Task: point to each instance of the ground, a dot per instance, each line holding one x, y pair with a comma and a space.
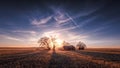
41, 58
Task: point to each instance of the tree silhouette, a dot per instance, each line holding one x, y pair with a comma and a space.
44, 42
80, 46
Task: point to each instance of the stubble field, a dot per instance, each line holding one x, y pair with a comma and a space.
41, 58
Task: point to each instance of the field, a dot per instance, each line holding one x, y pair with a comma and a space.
41, 58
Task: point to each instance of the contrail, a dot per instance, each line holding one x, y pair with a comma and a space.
72, 19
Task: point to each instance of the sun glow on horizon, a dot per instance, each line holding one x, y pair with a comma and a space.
59, 42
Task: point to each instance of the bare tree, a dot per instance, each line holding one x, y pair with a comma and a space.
44, 42
80, 46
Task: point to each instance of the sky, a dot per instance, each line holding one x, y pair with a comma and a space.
94, 22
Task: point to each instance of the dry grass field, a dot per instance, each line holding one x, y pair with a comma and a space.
41, 58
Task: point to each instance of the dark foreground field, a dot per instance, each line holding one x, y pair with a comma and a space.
40, 58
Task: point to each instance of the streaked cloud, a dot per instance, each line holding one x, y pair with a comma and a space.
10, 38
25, 31
66, 29
61, 18
41, 21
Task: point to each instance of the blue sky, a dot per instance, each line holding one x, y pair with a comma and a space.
96, 23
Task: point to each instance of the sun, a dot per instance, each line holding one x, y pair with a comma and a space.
51, 34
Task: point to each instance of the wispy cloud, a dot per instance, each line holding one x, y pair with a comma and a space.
66, 35
41, 21
61, 21
61, 17
9, 38
28, 36
25, 31
66, 29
